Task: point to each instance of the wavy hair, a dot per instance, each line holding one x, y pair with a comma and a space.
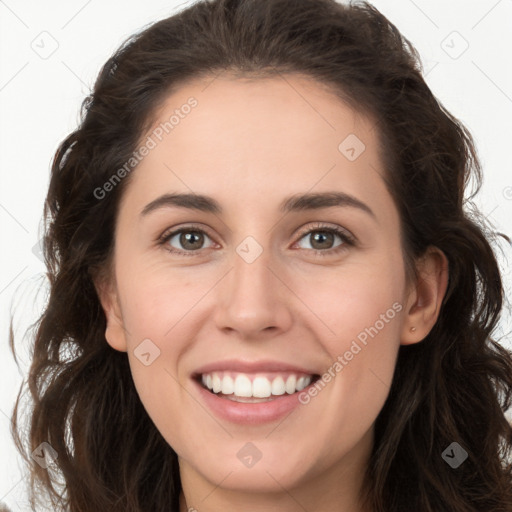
454, 386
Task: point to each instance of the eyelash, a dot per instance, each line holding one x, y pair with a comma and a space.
348, 240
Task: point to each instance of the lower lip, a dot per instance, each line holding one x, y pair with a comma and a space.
250, 413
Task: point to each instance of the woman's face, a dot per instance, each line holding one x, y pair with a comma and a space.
258, 294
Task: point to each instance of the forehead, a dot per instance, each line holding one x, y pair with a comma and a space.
293, 106
259, 137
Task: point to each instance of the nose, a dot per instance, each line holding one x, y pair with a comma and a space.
254, 299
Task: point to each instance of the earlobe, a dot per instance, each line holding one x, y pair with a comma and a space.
114, 332
425, 299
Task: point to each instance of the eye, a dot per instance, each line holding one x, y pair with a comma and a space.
322, 238
190, 238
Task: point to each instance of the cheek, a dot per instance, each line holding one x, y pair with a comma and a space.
154, 308
156, 299
360, 311
360, 302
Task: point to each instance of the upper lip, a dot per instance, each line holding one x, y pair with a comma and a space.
237, 365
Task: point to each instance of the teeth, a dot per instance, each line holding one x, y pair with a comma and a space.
243, 386
301, 384
278, 387
216, 383
290, 384
260, 387
228, 385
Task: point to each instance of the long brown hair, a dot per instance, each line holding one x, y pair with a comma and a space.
453, 387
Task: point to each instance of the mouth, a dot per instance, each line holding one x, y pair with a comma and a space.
254, 388
251, 393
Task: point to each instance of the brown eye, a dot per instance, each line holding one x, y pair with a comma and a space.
191, 240
322, 240
184, 241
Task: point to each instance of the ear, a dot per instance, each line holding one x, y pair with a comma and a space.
425, 296
115, 332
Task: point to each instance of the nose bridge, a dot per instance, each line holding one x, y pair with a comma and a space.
252, 297
252, 283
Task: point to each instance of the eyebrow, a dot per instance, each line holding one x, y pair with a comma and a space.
295, 203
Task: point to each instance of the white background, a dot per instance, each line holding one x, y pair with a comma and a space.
40, 100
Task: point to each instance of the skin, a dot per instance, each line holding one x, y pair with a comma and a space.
249, 145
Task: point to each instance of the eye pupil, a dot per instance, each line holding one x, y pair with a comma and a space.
321, 236
187, 239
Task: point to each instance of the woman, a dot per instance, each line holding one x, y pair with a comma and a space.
200, 349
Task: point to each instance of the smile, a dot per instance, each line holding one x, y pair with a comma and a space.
252, 392
236, 385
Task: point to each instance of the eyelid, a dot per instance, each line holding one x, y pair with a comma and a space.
335, 228
172, 232
187, 227
348, 240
